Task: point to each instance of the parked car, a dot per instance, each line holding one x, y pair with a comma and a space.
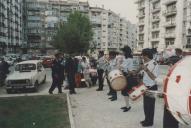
27, 75
47, 61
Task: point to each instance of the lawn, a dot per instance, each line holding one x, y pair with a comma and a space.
34, 112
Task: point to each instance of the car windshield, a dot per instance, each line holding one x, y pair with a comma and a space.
25, 67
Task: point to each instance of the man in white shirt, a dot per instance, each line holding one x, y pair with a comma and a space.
150, 71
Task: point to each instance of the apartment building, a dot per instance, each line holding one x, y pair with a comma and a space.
10, 26
111, 32
42, 18
164, 24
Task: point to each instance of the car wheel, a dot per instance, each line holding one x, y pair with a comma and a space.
9, 91
44, 80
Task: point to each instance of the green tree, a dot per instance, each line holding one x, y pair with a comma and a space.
75, 35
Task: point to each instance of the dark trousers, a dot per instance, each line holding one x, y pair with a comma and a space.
111, 90
149, 106
168, 120
100, 78
56, 83
71, 81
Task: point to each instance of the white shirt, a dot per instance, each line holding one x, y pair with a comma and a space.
154, 68
112, 65
127, 65
101, 63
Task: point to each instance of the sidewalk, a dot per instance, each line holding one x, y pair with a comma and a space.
92, 109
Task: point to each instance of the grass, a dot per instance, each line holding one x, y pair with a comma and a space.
34, 112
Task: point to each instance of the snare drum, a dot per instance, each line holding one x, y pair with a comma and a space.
137, 91
117, 79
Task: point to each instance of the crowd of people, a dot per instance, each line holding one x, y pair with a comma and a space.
81, 73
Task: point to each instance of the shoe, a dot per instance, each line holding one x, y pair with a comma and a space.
142, 122
146, 124
110, 98
123, 108
99, 89
50, 92
72, 92
127, 109
109, 93
113, 99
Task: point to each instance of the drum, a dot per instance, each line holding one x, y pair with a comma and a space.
177, 91
93, 72
117, 79
137, 91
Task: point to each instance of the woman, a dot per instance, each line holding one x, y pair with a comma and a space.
127, 68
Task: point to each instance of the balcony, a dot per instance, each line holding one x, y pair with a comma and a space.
170, 35
170, 12
141, 15
155, 39
155, 29
155, 19
138, 1
167, 2
141, 7
170, 24
154, 10
154, 1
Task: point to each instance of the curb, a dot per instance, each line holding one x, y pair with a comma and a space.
70, 112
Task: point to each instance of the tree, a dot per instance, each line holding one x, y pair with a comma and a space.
75, 35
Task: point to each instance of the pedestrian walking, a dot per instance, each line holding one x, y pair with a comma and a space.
57, 75
71, 69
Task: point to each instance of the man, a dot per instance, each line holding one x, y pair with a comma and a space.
150, 72
168, 120
4, 70
100, 69
112, 65
57, 74
71, 70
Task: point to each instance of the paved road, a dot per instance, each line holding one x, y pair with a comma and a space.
92, 109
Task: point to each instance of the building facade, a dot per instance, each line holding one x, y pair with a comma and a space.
164, 24
10, 26
111, 32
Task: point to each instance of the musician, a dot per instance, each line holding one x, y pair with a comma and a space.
150, 72
127, 68
168, 120
101, 66
112, 65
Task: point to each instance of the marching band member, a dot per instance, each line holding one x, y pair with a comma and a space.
150, 71
127, 68
101, 66
168, 120
112, 65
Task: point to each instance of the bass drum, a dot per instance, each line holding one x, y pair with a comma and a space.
117, 79
177, 91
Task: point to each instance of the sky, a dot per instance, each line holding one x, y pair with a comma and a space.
126, 8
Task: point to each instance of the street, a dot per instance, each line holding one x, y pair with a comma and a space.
43, 88
92, 109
